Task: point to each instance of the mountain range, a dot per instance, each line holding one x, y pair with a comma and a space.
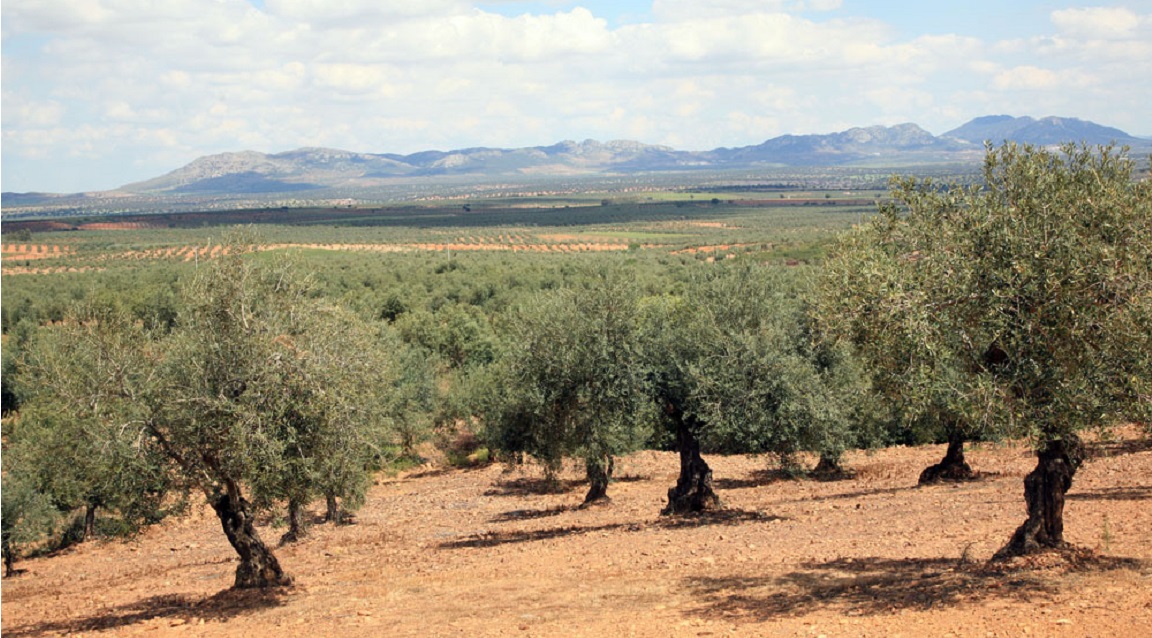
309, 169
314, 168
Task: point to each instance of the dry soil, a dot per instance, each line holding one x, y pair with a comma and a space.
491, 552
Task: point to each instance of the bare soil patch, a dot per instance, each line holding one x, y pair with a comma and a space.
490, 552
138, 225
26, 252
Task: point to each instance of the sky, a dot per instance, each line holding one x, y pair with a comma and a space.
101, 93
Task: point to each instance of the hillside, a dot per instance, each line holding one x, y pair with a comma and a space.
487, 552
314, 168
1045, 131
317, 168
325, 176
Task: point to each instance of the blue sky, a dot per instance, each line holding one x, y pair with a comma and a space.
100, 93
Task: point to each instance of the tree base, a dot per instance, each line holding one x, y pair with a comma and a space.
693, 502
297, 527
1044, 491
258, 567
957, 472
332, 513
693, 491
599, 472
952, 468
829, 469
601, 500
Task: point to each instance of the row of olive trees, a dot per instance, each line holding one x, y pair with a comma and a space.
258, 393
1022, 307
731, 365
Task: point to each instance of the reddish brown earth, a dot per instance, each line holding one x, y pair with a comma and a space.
485, 552
25, 252
118, 225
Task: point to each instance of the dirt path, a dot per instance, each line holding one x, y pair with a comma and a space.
486, 553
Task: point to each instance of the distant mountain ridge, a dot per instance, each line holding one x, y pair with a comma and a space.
315, 169
1045, 131
306, 168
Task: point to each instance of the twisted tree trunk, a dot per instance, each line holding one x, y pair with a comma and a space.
332, 509
952, 468
829, 467
1044, 490
693, 491
599, 472
89, 521
258, 566
9, 556
297, 527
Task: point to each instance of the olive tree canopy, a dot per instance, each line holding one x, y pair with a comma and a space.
1022, 306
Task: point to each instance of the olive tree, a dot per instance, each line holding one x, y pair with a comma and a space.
342, 387
770, 384
733, 365
872, 296
75, 440
1031, 294
28, 514
258, 393
677, 338
572, 379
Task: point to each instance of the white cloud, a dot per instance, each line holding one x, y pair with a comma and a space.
183, 78
1026, 77
690, 10
352, 78
355, 13
1099, 22
19, 113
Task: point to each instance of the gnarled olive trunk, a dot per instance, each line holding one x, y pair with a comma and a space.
258, 566
9, 556
331, 509
599, 472
297, 528
1044, 490
693, 491
89, 521
952, 468
829, 467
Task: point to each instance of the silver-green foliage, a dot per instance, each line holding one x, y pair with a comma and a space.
570, 375
764, 382
79, 436
1023, 305
28, 515
259, 392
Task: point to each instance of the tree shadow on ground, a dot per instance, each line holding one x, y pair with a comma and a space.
169, 609
1105, 449
1138, 493
856, 494
724, 516
873, 586
533, 486
757, 478
526, 486
831, 476
496, 538
525, 515
760, 478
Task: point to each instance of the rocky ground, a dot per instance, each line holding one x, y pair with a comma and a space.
489, 552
